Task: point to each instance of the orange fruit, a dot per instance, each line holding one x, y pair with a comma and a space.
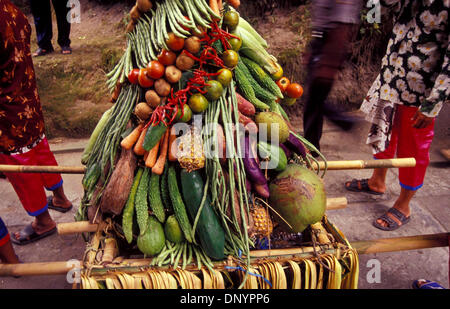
198, 103
215, 90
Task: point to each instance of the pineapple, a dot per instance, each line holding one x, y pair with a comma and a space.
190, 150
262, 223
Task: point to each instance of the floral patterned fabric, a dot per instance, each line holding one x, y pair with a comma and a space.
21, 120
415, 70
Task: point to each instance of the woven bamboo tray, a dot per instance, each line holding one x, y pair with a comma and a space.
325, 260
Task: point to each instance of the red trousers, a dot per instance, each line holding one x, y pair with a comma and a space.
407, 142
30, 186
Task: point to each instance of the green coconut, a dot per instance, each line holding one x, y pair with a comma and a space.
298, 195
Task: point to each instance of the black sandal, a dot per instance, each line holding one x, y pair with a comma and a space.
57, 208
392, 224
42, 52
360, 185
29, 235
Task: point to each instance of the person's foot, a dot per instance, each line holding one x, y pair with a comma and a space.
393, 219
66, 50
59, 204
43, 226
33, 232
42, 52
365, 185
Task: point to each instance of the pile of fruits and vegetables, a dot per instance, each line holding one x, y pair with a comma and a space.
178, 163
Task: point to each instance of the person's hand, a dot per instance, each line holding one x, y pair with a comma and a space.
421, 121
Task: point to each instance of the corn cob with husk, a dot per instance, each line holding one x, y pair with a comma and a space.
190, 150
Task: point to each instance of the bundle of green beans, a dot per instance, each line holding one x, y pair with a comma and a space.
182, 254
222, 194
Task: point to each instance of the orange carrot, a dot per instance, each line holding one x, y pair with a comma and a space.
152, 156
214, 6
129, 141
220, 5
234, 3
158, 168
172, 146
139, 147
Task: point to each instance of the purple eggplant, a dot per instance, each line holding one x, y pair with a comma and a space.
252, 169
248, 185
286, 150
296, 145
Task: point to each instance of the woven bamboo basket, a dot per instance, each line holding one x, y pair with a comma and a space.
324, 260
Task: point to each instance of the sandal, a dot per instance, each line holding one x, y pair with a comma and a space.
360, 185
427, 285
42, 52
66, 50
57, 208
29, 235
392, 224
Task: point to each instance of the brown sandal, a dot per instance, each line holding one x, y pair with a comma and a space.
360, 185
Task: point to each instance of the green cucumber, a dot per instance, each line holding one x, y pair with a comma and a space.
165, 197
141, 204
246, 89
273, 152
91, 177
262, 77
128, 211
154, 198
178, 205
209, 229
153, 240
173, 231
261, 93
98, 128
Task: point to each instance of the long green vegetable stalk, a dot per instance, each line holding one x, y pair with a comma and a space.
237, 240
107, 143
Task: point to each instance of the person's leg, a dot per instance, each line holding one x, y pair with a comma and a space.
377, 181
412, 143
42, 15
52, 182
61, 11
325, 63
7, 254
318, 91
29, 187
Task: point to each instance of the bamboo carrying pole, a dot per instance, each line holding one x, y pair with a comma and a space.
334, 203
331, 165
76, 227
401, 243
362, 247
42, 169
366, 164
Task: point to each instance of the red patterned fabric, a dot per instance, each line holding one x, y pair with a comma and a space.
21, 120
30, 186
